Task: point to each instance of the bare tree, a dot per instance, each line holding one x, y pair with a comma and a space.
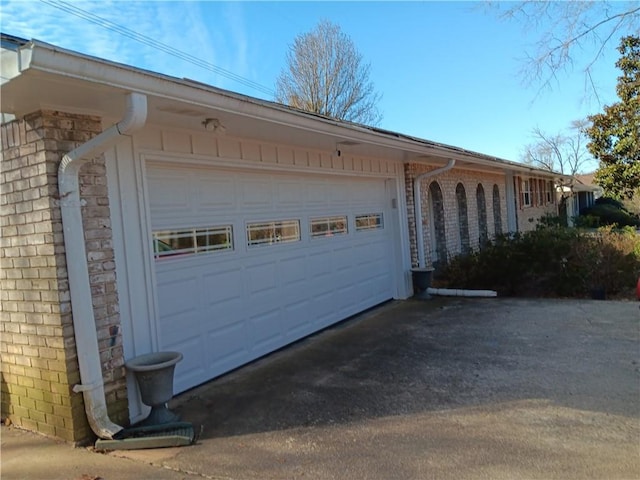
567, 26
563, 152
325, 74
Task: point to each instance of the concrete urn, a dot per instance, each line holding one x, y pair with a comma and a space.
154, 375
422, 280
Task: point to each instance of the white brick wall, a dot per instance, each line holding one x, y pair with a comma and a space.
448, 182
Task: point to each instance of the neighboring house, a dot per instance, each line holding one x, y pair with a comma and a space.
581, 194
142, 212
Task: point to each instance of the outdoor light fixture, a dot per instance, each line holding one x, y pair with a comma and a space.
214, 125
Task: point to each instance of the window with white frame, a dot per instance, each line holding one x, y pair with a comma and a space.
526, 192
369, 221
269, 233
327, 226
189, 241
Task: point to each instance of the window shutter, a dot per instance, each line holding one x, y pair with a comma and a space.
520, 193
534, 192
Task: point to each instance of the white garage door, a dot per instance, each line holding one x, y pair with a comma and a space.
246, 263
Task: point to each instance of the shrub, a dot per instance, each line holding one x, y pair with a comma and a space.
551, 261
586, 221
610, 211
610, 201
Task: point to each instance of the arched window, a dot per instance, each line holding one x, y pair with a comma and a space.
463, 220
436, 205
482, 215
497, 216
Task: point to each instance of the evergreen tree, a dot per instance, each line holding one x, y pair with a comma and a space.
615, 134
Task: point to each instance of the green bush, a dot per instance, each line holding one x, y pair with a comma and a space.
610, 201
550, 261
609, 211
586, 221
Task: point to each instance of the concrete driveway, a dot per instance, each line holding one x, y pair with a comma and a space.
446, 388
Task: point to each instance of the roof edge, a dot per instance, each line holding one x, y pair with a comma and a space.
52, 59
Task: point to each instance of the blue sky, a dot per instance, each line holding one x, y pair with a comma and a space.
448, 71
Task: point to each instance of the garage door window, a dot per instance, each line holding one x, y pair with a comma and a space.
369, 221
269, 233
327, 226
169, 243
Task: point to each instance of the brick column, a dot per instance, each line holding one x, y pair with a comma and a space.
409, 177
37, 349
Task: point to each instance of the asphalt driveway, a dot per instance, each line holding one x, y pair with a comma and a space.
446, 388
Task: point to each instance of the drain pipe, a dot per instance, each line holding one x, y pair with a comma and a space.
84, 325
459, 292
417, 205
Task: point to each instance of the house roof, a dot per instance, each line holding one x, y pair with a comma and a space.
585, 183
67, 80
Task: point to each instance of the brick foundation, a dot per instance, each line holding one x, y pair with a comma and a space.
38, 357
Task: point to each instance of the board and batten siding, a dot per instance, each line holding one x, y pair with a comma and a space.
266, 155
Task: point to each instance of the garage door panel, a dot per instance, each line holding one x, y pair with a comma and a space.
265, 329
316, 194
288, 194
344, 298
166, 195
222, 314
338, 195
293, 270
319, 265
225, 308
322, 307
222, 286
176, 296
297, 319
366, 194
192, 367
343, 258
256, 194
261, 278
215, 193
227, 343
177, 328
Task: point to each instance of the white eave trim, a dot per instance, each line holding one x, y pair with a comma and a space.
42, 57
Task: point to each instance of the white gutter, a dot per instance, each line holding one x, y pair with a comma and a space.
84, 325
417, 206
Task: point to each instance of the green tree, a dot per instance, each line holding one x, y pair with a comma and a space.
615, 134
326, 74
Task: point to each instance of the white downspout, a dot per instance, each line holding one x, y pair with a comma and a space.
84, 326
417, 205
460, 292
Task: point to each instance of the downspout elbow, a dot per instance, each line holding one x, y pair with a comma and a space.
84, 326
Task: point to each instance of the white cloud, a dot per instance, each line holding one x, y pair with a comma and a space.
211, 31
